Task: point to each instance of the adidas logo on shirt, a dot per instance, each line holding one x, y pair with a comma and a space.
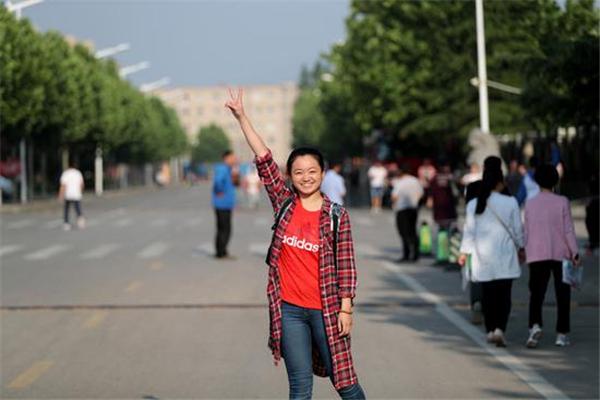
300, 244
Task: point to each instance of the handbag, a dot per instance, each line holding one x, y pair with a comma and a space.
520, 251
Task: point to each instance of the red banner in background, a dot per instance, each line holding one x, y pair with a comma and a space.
10, 168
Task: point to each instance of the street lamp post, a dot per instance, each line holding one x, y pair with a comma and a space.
484, 120
152, 86
131, 69
17, 8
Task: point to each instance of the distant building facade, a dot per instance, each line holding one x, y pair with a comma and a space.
270, 108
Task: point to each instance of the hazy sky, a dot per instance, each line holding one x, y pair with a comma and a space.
204, 42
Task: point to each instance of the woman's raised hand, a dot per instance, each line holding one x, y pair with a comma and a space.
235, 103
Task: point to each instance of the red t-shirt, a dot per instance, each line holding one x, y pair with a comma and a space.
299, 260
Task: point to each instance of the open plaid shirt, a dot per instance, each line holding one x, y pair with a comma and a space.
334, 283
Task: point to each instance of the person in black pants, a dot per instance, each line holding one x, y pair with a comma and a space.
406, 195
223, 198
496, 301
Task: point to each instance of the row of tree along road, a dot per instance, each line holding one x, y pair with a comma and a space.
57, 99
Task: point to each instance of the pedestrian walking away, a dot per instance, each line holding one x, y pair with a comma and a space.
492, 240
333, 183
223, 200
71, 192
377, 176
406, 195
312, 272
549, 239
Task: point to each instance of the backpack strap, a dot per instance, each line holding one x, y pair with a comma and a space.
335, 213
285, 205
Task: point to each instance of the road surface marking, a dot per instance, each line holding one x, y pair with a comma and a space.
31, 375
153, 250
156, 265
523, 371
159, 222
95, 320
11, 248
101, 251
54, 224
124, 222
205, 249
46, 252
259, 249
133, 286
20, 224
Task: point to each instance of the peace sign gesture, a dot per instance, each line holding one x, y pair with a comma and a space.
235, 103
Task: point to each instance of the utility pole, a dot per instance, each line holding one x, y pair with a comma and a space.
484, 119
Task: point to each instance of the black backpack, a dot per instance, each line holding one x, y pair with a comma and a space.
334, 213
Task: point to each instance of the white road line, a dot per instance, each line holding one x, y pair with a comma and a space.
46, 252
258, 248
204, 249
20, 224
523, 371
53, 224
153, 250
124, 222
101, 251
8, 249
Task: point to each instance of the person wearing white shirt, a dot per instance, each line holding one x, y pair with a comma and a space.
492, 237
406, 194
333, 184
377, 174
71, 191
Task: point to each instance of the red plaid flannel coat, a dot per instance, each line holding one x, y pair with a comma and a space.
334, 284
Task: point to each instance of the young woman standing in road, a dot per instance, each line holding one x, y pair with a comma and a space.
311, 284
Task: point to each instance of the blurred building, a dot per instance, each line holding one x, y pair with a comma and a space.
270, 108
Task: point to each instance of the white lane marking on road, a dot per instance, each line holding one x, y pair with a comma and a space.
20, 224
204, 249
124, 222
53, 224
260, 249
366, 221
523, 371
261, 221
8, 249
153, 250
159, 222
101, 251
46, 252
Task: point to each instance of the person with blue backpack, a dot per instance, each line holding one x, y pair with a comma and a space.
312, 271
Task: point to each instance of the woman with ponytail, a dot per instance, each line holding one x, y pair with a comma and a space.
492, 239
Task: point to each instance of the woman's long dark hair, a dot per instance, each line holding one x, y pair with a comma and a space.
492, 176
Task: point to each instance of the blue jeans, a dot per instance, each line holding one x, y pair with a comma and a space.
301, 327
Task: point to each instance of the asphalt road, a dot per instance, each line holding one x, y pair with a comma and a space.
134, 306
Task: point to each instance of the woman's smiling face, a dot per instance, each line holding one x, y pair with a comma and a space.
306, 175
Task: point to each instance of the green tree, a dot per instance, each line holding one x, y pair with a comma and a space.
210, 144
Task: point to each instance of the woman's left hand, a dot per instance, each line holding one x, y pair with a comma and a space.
344, 323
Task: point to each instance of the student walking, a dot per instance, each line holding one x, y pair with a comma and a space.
333, 183
71, 191
549, 239
492, 238
377, 174
312, 273
223, 200
406, 195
